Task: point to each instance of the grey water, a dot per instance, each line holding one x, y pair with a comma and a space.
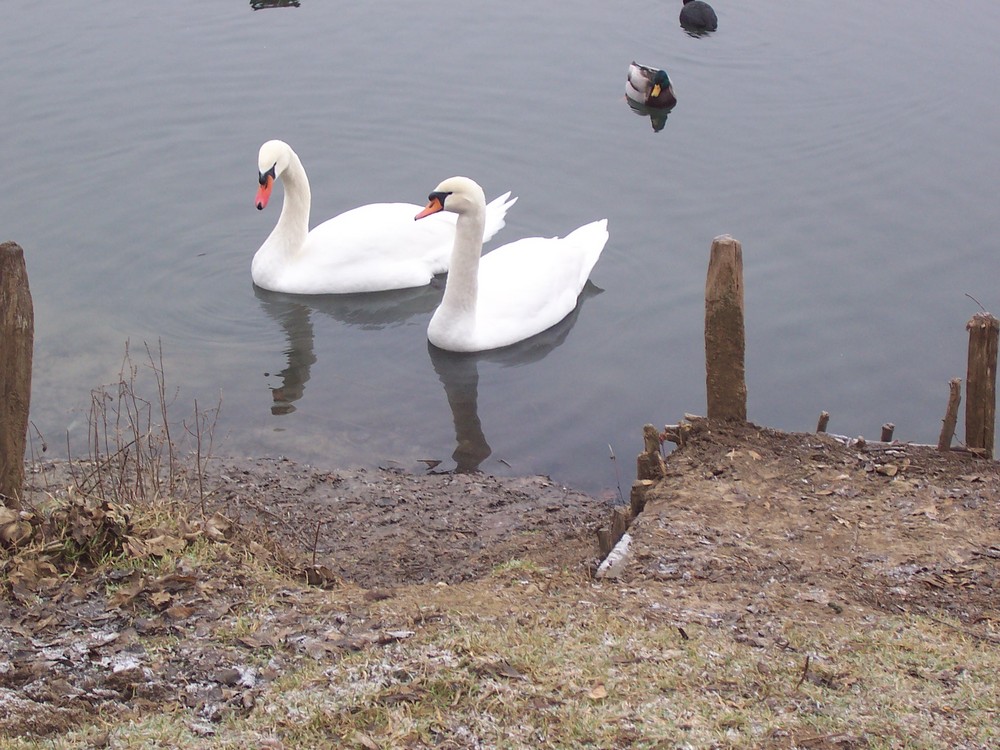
851, 147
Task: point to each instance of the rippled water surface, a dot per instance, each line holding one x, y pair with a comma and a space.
851, 147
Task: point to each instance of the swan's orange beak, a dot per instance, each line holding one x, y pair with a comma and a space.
432, 207
264, 192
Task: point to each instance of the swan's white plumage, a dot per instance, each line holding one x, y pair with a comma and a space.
517, 290
370, 248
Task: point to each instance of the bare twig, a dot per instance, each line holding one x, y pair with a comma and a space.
805, 671
976, 301
201, 481
618, 476
159, 374
966, 631
316, 542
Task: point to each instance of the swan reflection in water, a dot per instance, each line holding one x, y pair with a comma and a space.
459, 374
367, 311
657, 117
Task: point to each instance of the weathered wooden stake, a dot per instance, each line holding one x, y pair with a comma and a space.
981, 382
725, 337
950, 415
639, 495
824, 420
649, 464
677, 433
887, 430
17, 332
608, 537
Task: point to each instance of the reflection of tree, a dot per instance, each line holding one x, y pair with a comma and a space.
459, 374
261, 4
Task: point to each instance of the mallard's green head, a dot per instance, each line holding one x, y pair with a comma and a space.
660, 81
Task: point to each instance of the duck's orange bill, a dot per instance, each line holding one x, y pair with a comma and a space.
264, 192
433, 207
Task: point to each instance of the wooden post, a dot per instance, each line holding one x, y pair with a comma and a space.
17, 331
649, 464
887, 430
824, 420
950, 415
639, 495
677, 433
608, 537
981, 382
725, 338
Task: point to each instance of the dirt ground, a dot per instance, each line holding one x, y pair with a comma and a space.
383, 528
747, 525
824, 527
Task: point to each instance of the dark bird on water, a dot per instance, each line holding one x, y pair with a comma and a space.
698, 15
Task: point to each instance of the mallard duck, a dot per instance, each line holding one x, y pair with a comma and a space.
367, 249
697, 14
515, 291
649, 86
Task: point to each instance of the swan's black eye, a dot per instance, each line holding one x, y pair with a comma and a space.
268, 173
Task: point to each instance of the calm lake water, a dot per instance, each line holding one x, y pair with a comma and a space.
851, 147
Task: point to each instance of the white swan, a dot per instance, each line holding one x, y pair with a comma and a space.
515, 291
367, 249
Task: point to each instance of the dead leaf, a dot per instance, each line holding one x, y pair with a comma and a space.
322, 576
160, 599
179, 612
403, 694
163, 545
136, 548
348, 643
14, 533
499, 669
598, 692
174, 582
126, 594
217, 527
316, 649
391, 636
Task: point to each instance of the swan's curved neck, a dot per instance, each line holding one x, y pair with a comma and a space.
462, 287
293, 223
